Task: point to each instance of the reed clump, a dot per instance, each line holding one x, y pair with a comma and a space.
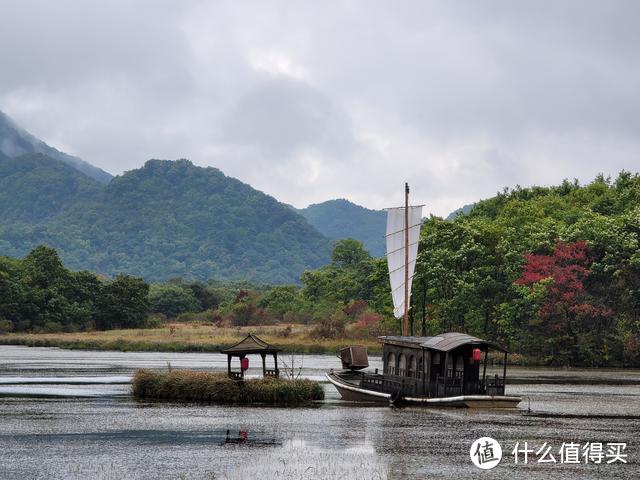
194, 386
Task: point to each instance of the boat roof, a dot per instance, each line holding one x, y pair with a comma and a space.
443, 342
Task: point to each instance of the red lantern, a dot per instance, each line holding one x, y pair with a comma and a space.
244, 363
476, 354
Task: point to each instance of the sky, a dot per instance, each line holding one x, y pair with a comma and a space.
309, 101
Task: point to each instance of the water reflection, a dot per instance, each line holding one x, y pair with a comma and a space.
253, 440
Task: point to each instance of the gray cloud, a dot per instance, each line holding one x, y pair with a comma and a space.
310, 101
283, 116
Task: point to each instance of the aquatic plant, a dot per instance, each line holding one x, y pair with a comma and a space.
194, 386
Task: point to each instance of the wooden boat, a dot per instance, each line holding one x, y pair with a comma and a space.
443, 370
439, 371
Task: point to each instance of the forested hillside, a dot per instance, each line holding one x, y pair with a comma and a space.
166, 219
553, 272
34, 188
341, 218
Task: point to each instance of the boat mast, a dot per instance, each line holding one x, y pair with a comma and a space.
405, 322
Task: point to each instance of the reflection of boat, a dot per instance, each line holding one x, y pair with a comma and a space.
441, 370
243, 438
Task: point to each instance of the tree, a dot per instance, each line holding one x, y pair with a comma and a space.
207, 297
282, 299
577, 324
43, 268
122, 303
172, 300
349, 253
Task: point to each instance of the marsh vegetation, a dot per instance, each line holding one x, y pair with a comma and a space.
197, 386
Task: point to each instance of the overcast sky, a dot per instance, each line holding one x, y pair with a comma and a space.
309, 101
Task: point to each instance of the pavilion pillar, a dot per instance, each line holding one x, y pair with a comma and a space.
275, 360
229, 365
504, 373
484, 370
264, 364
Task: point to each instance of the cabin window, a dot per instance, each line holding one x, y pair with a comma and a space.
391, 363
402, 365
420, 366
459, 367
436, 359
412, 366
449, 366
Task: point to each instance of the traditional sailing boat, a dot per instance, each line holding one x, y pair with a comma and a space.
443, 370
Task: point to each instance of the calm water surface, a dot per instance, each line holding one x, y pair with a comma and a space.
67, 414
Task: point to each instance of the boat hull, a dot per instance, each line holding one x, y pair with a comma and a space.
354, 393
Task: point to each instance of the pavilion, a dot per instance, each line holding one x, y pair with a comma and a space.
252, 345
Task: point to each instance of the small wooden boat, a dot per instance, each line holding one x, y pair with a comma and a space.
443, 370
439, 371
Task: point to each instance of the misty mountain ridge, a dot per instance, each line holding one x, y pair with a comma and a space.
341, 218
16, 141
166, 219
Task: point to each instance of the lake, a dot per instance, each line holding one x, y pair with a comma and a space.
67, 414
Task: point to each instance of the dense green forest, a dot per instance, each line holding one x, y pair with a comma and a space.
337, 219
39, 294
167, 219
552, 272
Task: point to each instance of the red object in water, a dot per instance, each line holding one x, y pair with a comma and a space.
244, 364
476, 354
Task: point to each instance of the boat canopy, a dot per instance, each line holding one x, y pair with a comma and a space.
444, 342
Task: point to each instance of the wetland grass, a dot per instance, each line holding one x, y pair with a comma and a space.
182, 337
195, 386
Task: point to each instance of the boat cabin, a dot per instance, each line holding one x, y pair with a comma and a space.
445, 365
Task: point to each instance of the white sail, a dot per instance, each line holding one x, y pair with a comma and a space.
395, 251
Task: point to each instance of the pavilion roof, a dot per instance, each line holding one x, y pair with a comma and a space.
251, 344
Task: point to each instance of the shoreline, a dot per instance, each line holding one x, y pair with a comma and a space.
198, 338
189, 338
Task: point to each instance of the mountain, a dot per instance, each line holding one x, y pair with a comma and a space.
167, 219
15, 141
341, 218
36, 187
465, 210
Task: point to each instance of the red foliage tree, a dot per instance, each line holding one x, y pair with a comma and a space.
355, 308
566, 301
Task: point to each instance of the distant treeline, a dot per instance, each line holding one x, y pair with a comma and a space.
553, 273
39, 294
